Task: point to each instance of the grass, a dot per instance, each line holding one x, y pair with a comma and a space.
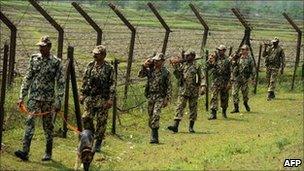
260, 139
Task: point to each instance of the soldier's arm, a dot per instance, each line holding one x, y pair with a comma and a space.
283, 60
266, 51
85, 81
177, 71
169, 89
143, 72
60, 81
27, 80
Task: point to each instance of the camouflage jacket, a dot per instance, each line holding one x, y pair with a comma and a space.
98, 82
275, 57
242, 69
220, 70
39, 81
189, 78
158, 83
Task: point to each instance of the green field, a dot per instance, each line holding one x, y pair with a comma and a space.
260, 139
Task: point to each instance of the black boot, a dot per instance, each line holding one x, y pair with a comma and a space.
174, 128
48, 151
269, 97
224, 112
247, 106
154, 136
236, 108
213, 114
273, 95
97, 146
22, 155
191, 130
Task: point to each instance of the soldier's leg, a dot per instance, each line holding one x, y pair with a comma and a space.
87, 118
213, 102
235, 96
193, 112
245, 92
273, 78
224, 101
155, 120
48, 128
101, 126
182, 102
33, 107
150, 111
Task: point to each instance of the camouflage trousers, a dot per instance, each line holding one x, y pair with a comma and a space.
38, 107
221, 91
155, 104
271, 75
182, 103
236, 86
101, 115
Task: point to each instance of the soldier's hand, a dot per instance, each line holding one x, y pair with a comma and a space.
147, 63
20, 102
202, 90
228, 86
282, 71
108, 104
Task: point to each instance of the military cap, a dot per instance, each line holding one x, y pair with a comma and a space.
245, 47
44, 40
275, 40
190, 52
221, 47
99, 49
159, 56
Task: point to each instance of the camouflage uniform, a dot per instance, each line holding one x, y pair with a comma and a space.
158, 89
220, 76
275, 59
39, 82
189, 77
97, 89
242, 70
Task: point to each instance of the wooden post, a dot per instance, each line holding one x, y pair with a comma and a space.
74, 88
53, 23
12, 50
131, 47
257, 70
163, 23
66, 94
299, 41
115, 63
90, 21
3, 91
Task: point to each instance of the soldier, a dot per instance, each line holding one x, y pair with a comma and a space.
44, 72
220, 69
158, 90
189, 79
242, 69
275, 60
97, 94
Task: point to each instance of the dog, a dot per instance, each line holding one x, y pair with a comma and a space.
85, 152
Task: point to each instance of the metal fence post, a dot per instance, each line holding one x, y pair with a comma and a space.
90, 21
3, 91
115, 63
299, 41
53, 23
163, 23
131, 47
12, 50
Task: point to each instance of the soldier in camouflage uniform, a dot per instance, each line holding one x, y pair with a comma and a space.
219, 64
44, 72
158, 90
189, 78
97, 94
275, 60
242, 69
